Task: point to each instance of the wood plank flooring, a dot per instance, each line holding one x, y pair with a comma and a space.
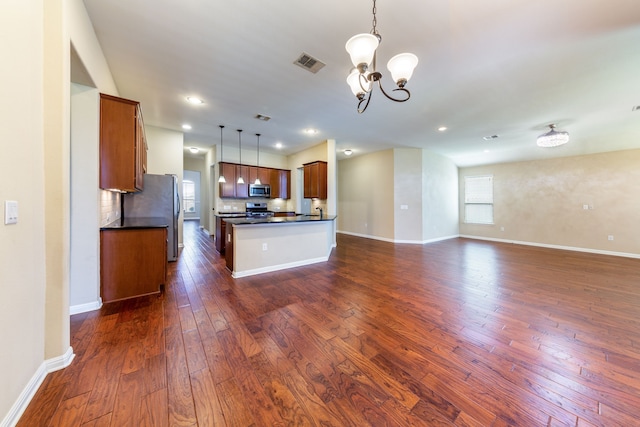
459, 332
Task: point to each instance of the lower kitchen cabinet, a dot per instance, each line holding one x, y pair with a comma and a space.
133, 262
220, 235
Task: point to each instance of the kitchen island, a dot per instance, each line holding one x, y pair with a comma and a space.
261, 245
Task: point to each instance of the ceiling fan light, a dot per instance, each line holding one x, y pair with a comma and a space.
552, 138
401, 67
361, 49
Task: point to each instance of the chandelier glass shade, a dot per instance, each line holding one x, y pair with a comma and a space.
553, 138
221, 179
362, 51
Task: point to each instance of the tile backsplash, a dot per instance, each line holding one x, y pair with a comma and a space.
109, 207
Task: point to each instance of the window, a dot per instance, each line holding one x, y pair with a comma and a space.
478, 199
189, 196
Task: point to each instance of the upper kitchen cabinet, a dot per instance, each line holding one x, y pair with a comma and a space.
123, 147
280, 184
228, 188
315, 180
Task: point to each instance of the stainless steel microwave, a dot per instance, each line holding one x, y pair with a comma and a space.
259, 190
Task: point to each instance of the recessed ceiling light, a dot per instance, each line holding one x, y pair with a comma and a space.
311, 131
487, 151
348, 152
186, 126
279, 145
442, 128
490, 137
194, 150
195, 101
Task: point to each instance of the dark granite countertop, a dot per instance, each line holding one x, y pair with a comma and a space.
280, 219
149, 222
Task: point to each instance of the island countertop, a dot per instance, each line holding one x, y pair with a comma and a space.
280, 219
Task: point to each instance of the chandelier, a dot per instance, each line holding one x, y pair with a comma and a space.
552, 138
362, 50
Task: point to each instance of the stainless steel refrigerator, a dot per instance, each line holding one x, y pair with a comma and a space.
159, 198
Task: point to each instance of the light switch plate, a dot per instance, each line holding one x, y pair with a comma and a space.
10, 212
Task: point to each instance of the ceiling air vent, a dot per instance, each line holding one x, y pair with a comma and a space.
263, 117
309, 63
490, 137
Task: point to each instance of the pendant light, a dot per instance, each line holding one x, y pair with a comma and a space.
240, 179
221, 179
257, 181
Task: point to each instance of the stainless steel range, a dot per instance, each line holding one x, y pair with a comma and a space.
257, 210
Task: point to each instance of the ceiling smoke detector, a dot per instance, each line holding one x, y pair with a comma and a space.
309, 63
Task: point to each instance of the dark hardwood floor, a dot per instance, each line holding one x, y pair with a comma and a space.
459, 332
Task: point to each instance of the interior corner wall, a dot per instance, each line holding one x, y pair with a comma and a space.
406, 202
365, 195
165, 156
440, 217
543, 202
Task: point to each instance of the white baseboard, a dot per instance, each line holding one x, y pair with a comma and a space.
384, 239
49, 365
565, 248
271, 268
83, 308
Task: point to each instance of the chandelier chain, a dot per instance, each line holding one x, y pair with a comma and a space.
374, 22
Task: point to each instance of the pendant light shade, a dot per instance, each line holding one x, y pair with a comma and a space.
240, 179
257, 181
221, 179
401, 67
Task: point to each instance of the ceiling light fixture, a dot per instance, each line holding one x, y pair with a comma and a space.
194, 150
240, 179
311, 131
552, 138
348, 152
221, 179
279, 145
257, 181
362, 50
186, 126
195, 101
442, 128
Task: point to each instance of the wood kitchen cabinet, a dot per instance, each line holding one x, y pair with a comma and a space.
133, 262
315, 180
123, 146
220, 235
278, 179
280, 184
227, 189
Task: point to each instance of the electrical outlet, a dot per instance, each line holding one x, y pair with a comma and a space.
585, 207
610, 237
264, 246
404, 207
501, 228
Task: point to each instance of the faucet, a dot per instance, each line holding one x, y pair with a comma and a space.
319, 209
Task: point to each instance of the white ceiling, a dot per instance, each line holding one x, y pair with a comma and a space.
491, 67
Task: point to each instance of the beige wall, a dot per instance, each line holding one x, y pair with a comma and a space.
22, 253
165, 156
541, 202
439, 197
406, 202
366, 194
198, 164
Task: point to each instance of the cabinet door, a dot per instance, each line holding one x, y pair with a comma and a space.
227, 190
274, 181
242, 190
285, 184
315, 180
265, 175
141, 150
120, 150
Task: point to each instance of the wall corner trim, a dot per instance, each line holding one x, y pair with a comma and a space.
49, 365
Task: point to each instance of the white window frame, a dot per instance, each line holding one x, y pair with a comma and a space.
188, 196
478, 199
